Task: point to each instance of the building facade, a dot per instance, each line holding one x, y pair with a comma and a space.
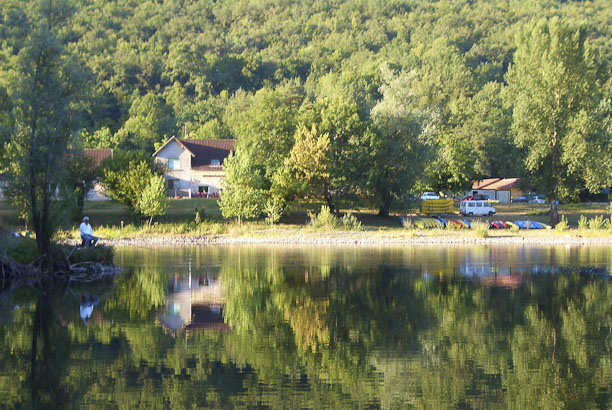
194, 167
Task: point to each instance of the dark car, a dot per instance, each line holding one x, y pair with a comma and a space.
520, 199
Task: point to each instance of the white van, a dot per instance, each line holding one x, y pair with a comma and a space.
474, 207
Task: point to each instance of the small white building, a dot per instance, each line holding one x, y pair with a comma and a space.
194, 167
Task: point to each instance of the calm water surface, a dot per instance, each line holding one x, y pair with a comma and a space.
314, 327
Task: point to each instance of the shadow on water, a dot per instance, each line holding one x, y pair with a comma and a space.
254, 328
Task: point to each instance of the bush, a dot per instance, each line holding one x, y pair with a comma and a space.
325, 219
407, 223
274, 209
583, 222
199, 216
597, 223
350, 221
481, 229
562, 225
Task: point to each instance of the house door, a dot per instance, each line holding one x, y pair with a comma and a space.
203, 191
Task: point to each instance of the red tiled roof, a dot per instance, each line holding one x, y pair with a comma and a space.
505, 183
484, 183
204, 151
97, 155
496, 183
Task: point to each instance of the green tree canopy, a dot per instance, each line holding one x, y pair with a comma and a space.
555, 90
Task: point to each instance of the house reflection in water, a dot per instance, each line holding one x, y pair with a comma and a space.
194, 302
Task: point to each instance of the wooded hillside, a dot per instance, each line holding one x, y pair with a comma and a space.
429, 77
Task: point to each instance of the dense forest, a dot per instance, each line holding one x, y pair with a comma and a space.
367, 99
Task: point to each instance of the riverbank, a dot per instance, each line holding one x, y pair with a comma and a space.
265, 237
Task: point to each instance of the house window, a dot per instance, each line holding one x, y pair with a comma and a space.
215, 161
173, 184
173, 163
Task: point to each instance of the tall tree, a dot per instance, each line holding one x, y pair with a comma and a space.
45, 83
337, 120
243, 196
399, 149
555, 89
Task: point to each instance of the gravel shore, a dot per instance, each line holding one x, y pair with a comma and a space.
353, 238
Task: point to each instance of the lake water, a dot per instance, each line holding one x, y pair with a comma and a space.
476, 327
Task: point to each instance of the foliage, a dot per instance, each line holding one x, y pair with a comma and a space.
598, 222
349, 221
563, 225
324, 219
411, 94
481, 229
583, 222
46, 85
126, 176
400, 147
242, 198
154, 199
309, 163
274, 209
554, 88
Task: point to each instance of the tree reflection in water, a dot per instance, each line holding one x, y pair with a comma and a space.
312, 332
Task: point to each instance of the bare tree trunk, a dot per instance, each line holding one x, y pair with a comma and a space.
385, 206
554, 213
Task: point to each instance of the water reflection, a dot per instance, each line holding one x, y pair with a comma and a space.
248, 327
194, 303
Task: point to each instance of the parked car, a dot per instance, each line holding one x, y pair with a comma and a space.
476, 208
519, 199
429, 196
538, 199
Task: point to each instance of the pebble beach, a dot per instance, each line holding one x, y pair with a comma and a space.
355, 238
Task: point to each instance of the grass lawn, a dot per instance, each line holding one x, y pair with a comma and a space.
111, 220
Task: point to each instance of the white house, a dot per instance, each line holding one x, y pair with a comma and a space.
194, 167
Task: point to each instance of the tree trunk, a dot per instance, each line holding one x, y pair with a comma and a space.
385, 206
554, 213
330, 202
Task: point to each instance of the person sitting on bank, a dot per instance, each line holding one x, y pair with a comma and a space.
87, 234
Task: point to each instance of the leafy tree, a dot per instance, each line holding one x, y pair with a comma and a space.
80, 178
555, 89
46, 84
309, 164
243, 196
126, 176
150, 121
399, 150
154, 199
339, 120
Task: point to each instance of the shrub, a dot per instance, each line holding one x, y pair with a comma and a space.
597, 223
199, 215
325, 219
562, 225
583, 222
481, 229
407, 223
274, 209
350, 221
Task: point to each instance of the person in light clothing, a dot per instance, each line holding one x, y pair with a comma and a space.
87, 234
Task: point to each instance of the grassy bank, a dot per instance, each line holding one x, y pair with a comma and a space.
112, 221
